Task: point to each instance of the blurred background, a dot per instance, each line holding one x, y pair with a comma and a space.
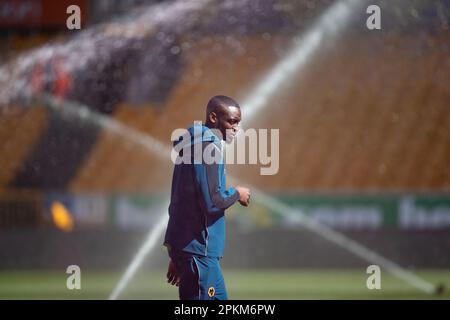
364, 117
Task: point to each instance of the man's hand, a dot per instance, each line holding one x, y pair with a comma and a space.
244, 195
173, 277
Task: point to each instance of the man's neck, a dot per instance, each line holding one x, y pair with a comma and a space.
210, 125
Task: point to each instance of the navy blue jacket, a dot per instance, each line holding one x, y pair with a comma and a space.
199, 198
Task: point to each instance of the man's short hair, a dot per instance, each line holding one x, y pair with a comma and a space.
217, 102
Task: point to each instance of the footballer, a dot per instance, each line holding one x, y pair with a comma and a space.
195, 235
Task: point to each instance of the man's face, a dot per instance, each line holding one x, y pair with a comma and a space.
228, 122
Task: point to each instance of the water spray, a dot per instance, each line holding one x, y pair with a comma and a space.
328, 25
149, 243
155, 147
345, 242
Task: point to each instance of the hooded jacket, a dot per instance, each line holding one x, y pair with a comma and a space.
199, 196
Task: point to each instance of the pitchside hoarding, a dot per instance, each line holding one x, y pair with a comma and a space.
348, 212
370, 211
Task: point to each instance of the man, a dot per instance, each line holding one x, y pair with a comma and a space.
195, 235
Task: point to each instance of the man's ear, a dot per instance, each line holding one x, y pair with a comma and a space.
213, 117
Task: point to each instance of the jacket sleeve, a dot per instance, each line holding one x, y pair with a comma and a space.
221, 199
216, 197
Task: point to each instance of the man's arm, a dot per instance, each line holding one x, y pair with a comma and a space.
217, 198
221, 199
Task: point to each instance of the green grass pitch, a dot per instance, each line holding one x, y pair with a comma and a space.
248, 284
